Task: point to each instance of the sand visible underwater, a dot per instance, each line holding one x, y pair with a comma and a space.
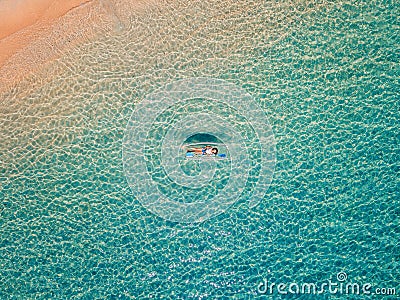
324, 74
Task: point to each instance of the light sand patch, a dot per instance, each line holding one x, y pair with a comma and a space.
37, 14
60, 26
40, 31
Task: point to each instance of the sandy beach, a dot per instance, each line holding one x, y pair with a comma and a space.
35, 33
33, 16
27, 33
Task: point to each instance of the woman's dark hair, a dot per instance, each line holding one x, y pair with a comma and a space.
214, 150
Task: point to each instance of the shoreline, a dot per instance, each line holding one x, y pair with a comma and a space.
61, 26
25, 20
56, 27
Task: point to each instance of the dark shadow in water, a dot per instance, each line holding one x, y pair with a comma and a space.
202, 138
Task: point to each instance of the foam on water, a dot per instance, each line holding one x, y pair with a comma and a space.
324, 74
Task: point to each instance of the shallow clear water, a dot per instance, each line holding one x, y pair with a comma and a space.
325, 75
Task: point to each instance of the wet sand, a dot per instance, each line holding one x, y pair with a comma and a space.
34, 32
31, 17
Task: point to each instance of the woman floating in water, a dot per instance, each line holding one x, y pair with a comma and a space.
207, 150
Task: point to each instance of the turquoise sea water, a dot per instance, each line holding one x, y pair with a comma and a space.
326, 75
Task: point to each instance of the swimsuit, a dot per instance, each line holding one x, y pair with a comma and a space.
207, 151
